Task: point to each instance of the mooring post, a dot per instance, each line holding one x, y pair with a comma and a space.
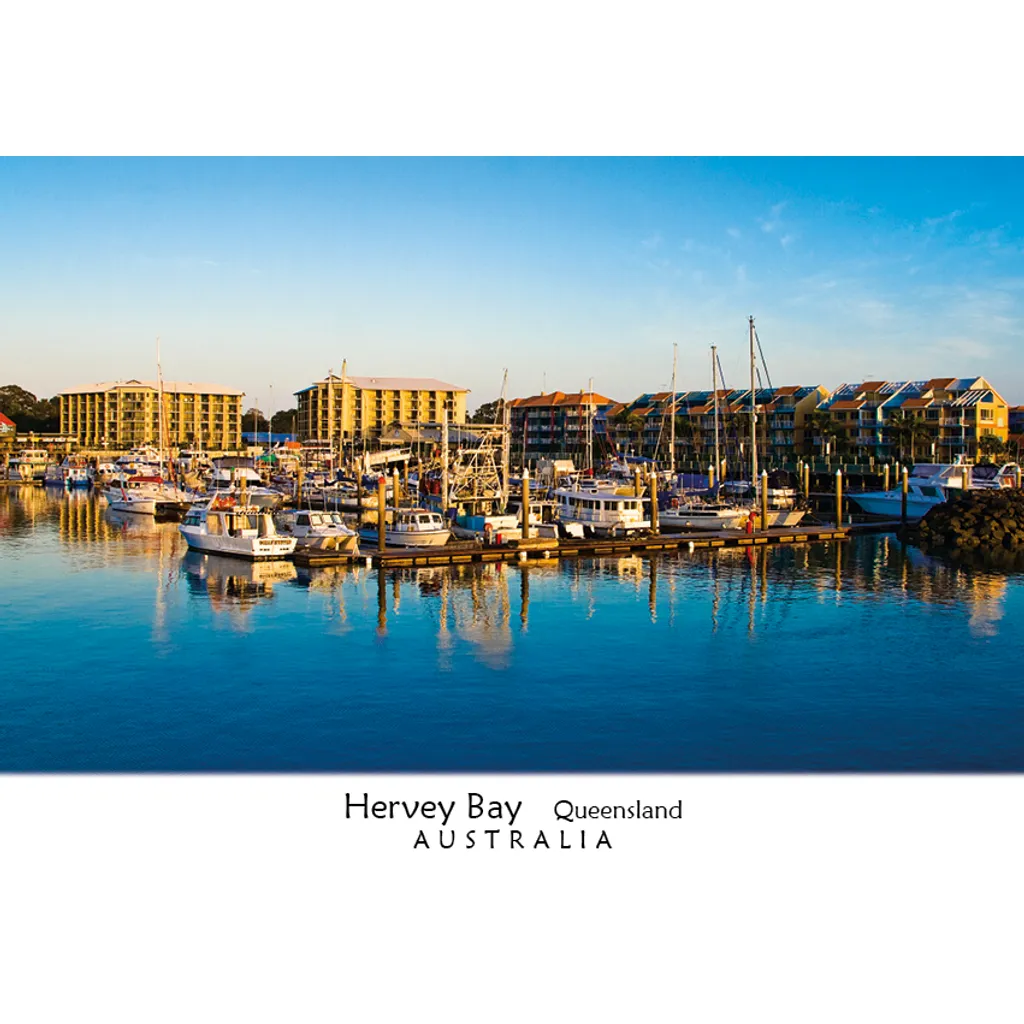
885, 477
903, 497
839, 497
965, 478
637, 486
764, 499
1016, 477
396, 489
711, 477
526, 504
654, 502
807, 480
299, 473
382, 509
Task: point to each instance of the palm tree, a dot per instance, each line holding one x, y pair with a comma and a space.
823, 426
908, 431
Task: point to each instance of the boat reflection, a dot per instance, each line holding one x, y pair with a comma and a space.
233, 586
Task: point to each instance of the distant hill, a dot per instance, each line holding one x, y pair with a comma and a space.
28, 412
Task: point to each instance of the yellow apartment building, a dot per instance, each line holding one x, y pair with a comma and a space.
350, 408
123, 414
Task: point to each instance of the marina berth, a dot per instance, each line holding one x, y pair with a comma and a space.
223, 527
28, 465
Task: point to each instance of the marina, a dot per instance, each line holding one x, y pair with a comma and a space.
746, 654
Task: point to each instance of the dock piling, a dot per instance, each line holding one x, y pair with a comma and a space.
654, 502
764, 499
526, 505
903, 497
382, 510
839, 497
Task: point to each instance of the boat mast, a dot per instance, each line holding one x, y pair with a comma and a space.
506, 439
590, 428
753, 412
714, 385
672, 414
160, 410
444, 462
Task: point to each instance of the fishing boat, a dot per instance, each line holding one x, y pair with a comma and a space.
223, 527
592, 512
28, 465
410, 528
319, 531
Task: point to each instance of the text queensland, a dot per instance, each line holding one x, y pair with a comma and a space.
567, 810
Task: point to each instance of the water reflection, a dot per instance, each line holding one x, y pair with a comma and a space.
753, 588
233, 586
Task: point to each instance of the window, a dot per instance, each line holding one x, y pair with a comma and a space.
986, 415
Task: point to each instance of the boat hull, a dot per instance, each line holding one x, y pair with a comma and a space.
254, 549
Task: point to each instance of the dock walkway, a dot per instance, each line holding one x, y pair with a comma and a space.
457, 553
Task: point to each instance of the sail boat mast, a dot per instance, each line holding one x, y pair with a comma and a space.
753, 411
672, 414
590, 427
714, 386
160, 410
506, 440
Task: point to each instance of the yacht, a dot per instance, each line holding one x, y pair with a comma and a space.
929, 485
599, 513
320, 531
145, 495
411, 528
221, 527
488, 527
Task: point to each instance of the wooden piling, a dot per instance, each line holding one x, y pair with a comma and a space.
654, 502
764, 499
1017, 477
807, 480
839, 497
903, 497
885, 477
711, 476
965, 477
382, 510
526, 504
395, 488
638, 488
299, 475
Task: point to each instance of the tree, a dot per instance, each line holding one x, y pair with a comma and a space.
284, 421
991, 446
821, 428
253, 421
489, 412
909, 432
28, 412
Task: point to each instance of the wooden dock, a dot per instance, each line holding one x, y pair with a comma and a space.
457, 553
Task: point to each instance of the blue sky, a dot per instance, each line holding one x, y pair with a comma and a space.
268, 272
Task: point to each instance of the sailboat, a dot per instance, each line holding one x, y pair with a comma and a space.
706, 515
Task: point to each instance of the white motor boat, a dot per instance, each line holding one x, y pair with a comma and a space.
697, 515
145, 495
222, 527
410, 528
929, 485
599, 513
319, 531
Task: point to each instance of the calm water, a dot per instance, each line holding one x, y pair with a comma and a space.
123, 652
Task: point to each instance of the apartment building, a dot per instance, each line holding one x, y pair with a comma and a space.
346, 408
123, 414
936, 419
557, 424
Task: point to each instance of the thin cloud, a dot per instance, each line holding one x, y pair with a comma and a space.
774, 219
733, 232
787, 240
652, 241
930, 223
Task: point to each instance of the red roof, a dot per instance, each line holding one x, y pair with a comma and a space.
939, 382
5, 421
916, 403
847, 404
872, 385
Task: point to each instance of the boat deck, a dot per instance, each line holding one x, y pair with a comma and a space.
458, 552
